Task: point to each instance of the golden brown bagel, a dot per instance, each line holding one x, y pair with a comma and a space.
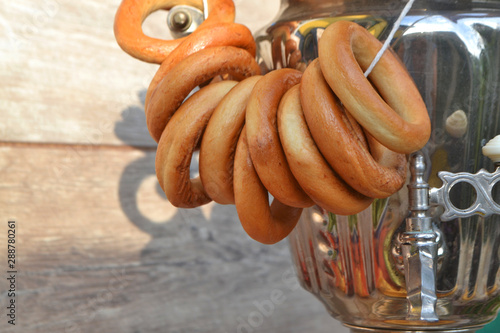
190, 73
265, 224
132, 13
397, 117
179, 141
263, 140
343, 146
219, 142
223, 34
308, 165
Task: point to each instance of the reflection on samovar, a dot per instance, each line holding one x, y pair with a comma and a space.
428, 257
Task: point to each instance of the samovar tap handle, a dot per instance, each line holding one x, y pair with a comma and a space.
482, 182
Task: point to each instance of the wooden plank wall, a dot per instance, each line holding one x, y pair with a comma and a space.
98, 247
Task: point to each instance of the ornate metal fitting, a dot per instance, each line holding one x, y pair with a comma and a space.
183, 20
483, 182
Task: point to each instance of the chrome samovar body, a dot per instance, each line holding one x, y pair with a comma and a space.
368, 269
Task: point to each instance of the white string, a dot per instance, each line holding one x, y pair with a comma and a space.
205, 9
395, 28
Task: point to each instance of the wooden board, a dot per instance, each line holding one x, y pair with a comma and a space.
65, 79
100, 250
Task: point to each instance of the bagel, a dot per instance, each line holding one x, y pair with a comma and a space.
132, 13
179, 141
397, 117
343, 145
223, 34
219, 142
321, 183
265, 224
190, 73
263, 140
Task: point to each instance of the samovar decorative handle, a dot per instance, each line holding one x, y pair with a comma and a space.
419, 246
483, 183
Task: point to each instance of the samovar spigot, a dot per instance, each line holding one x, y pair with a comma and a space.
420, 243
419, 248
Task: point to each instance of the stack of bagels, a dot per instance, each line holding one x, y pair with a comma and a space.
327, 136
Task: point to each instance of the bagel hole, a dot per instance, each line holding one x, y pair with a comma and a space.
152, 202
155, 25
462, 195
195, 160
495, 192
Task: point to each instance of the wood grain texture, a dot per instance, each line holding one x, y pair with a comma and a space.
101, 250
65, 79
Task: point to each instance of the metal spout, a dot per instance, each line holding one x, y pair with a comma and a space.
420, 248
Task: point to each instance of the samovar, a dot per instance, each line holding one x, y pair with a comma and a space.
428, 257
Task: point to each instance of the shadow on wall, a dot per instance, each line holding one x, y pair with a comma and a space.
132, 129
186, 230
